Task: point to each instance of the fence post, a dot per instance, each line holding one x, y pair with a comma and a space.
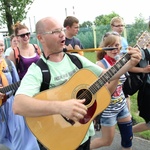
94, 35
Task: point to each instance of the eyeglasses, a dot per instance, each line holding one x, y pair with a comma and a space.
25, 34
117, 26
57, 31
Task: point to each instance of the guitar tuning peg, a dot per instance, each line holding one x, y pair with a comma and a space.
137, 37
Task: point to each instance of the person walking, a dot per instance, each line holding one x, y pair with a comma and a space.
13, 43
25, 54
14, 132
117, 112
117, 25
71, 25
143, 94
50, 34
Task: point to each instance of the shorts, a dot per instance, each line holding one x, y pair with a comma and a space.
111, 121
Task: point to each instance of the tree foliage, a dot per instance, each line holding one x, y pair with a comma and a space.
102, 25
135, 30
12, 11
86, 24
104, 19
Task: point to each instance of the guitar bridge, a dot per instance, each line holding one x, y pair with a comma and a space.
69, 120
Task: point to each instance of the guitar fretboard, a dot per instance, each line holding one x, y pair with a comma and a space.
109, 74
10, 87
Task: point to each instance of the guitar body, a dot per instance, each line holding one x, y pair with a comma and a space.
57, 133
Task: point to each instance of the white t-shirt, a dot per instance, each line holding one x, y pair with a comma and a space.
8, 51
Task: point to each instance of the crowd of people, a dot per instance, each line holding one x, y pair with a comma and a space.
54, 38
14, 132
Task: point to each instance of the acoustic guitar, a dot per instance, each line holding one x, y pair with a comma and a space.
56, 132
11, 87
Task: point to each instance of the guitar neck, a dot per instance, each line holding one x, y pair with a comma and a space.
10, 87
109, 74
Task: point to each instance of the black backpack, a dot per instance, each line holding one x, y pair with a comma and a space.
135, 81
46, 72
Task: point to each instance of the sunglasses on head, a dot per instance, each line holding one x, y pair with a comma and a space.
111, 33
25, 34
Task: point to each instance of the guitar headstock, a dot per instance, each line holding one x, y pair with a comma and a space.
143, 39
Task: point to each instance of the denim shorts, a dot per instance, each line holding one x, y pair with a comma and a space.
111, 121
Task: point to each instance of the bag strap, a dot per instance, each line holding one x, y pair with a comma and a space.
16, 52
147, 54
17, 56
37, 49
10, 67
46, 75
75, 60
104, 63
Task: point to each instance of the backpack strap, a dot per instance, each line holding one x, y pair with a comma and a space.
16, 52
147, 54
104, 63
9, 65
17, 56
46, 72
75, 60
37, 49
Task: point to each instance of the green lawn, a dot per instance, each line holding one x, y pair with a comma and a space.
134, 110
91, 56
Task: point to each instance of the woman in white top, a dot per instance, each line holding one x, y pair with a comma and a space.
13, 43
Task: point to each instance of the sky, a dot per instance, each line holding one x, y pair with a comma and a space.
86, 10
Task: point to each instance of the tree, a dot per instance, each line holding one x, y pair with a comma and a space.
12, 11
104, 19
86, 24
134, 31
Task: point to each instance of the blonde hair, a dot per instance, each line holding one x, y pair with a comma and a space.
116, 19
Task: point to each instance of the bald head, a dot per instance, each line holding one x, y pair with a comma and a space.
45, 23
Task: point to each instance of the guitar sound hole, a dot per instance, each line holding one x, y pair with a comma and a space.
84, 94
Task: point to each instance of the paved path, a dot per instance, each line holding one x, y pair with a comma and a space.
138, 143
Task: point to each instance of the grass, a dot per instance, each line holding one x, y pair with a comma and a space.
133, 99
91, 56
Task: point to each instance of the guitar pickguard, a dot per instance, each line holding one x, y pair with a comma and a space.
82, 92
